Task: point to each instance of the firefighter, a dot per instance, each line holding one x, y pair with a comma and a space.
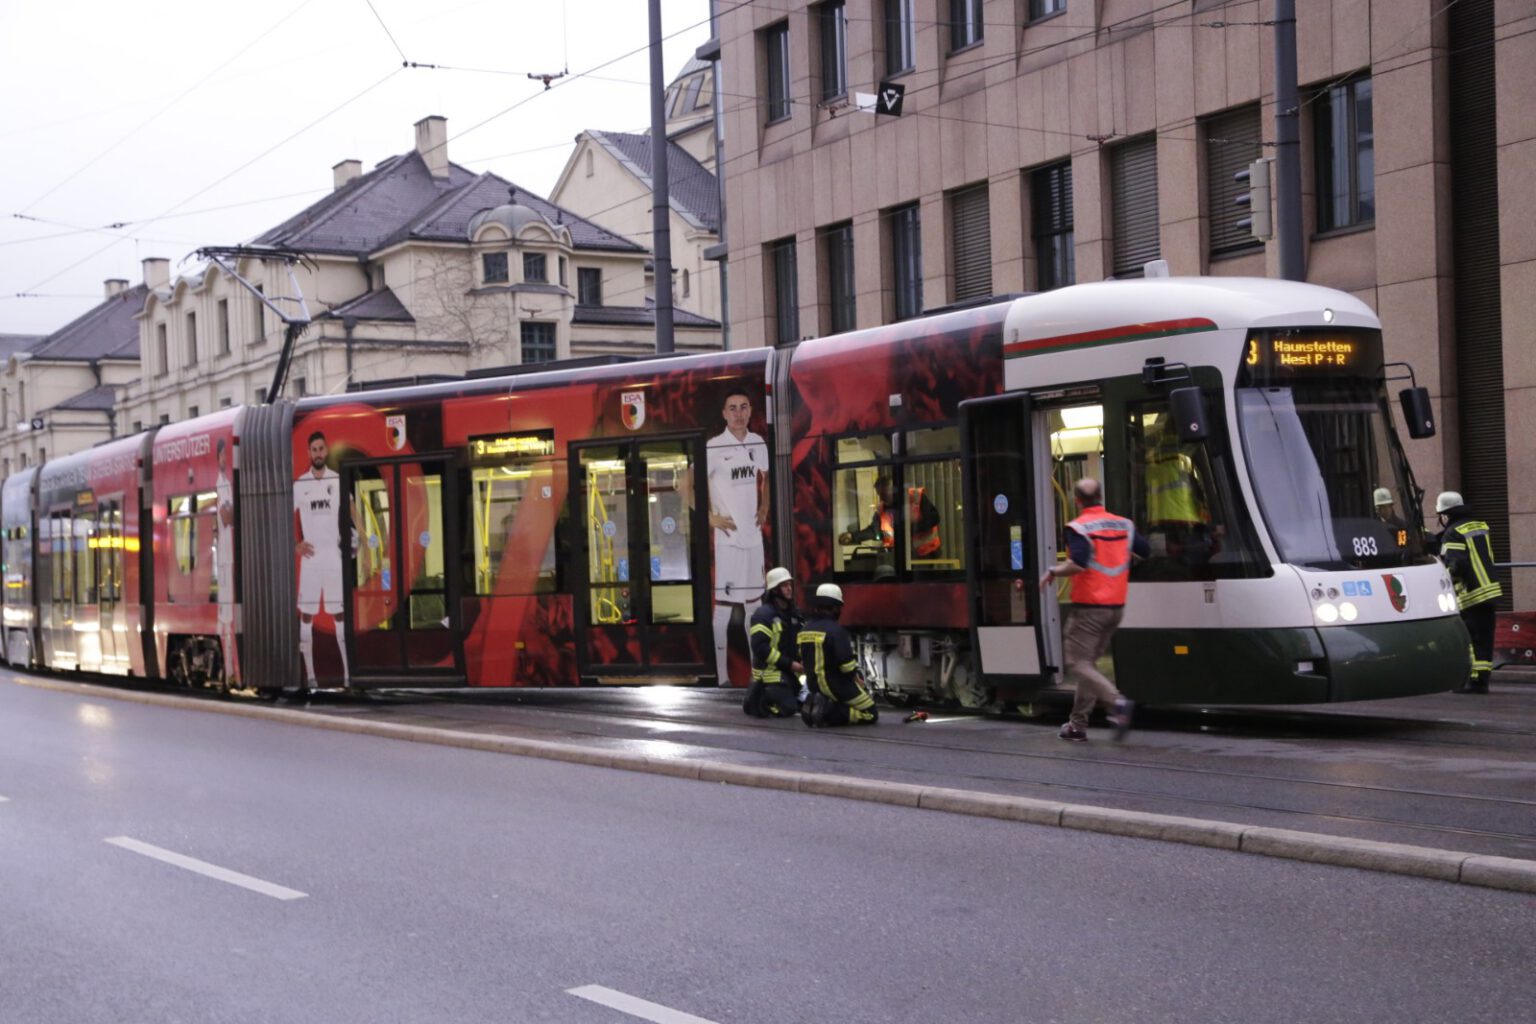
775, 641
1466, 546
921, 514
838, 695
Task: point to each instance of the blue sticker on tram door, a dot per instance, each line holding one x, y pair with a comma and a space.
384, 579
1365, 588
1016, 555
655, 567
624, 570
1349, 588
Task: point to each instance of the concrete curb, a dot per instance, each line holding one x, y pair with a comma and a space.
1395, 858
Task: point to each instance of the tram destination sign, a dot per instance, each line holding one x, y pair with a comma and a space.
1313, 353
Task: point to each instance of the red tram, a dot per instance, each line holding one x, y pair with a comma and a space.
613, 524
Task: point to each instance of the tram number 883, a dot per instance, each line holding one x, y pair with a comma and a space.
1365, 546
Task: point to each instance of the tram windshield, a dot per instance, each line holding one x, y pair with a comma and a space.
1333, 483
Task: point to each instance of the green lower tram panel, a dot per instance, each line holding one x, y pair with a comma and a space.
1292, 666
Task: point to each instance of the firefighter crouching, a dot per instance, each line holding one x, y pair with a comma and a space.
775, 640
838, 695
1466, 546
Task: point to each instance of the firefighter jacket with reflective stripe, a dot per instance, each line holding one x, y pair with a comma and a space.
1108, 577
1467, 548
775, 640
826, 651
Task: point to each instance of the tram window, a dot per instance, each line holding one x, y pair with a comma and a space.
62, 556
84, 543
183, 533
884, 491
207, 532
428, 602
1181, 499
513, 490
607, 530
669, 505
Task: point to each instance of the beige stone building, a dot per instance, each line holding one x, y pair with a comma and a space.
1043, 142
417, 269
57, 393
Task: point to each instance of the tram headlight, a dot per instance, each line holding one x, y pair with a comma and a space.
1348, 612
1327, 613
1447, 602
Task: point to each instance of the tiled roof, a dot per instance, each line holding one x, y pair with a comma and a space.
637, 316
694, 191
107, 330
380, 304
100, 398
10, 344
400, 200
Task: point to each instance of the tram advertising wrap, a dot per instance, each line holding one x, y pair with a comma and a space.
611, 521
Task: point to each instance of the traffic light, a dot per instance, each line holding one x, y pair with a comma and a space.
1256, 200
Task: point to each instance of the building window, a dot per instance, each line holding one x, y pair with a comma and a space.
1133, 205
258, 316
225, 402
900, 48
776, 63
563, 272
1346, 156
223, 327
535, 267
165, 418
589, 286
589, 163
832, 17
300, 386
493, 266
193, 412
162, 351
687, 287
786, 298
1051, 225
970, 242
538, 342
964, 24
1231, 144
138, 426
261, 396
1045, 8
906, 260
837, 258
191, 339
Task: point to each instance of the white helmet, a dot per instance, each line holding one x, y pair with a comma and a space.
777, 577
1382, 497
1447, 501
830, 592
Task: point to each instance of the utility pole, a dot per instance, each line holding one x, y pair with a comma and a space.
1288, 145
661, 203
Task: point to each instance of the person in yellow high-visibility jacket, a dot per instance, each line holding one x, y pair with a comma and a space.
1466, 547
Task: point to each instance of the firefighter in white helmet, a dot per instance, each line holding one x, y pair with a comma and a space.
838, 694
775, 640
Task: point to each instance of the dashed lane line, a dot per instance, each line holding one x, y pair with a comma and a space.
202, 867
635, 1006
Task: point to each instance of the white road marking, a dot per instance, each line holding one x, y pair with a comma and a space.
634, 1006
202, 867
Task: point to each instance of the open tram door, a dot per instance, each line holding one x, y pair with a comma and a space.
643, 573
1009, 623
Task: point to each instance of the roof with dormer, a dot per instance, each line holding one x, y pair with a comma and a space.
400, 201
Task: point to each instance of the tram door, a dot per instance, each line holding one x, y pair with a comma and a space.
642, 585
1068, 443
1000, 474
402, 607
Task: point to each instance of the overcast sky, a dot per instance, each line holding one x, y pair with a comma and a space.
205, 124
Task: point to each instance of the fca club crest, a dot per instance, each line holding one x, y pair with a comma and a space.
394, 430
634, 409
1396, 591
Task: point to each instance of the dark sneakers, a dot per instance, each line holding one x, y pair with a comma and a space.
1120, 717
1073, 733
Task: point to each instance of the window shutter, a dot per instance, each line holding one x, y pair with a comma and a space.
971, 242
1133, 179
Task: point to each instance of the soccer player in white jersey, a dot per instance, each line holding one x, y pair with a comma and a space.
738, 509
224, 563
317, 500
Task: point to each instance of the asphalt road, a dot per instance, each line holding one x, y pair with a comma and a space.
386, 881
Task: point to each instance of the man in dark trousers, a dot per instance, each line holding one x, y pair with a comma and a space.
1466, 547
1099, 547
775, 641
838, 696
